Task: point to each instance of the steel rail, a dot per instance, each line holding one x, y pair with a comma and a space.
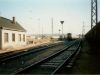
12, 53
41, 61
28, 52
21, 62
69, 59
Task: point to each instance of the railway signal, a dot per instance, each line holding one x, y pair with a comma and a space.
62, 26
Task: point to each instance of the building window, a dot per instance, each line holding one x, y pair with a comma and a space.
19, 37
13, 37
6, 37
24, 38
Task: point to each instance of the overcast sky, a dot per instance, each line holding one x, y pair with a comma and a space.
35, 15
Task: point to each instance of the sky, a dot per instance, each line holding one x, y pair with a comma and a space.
36, 15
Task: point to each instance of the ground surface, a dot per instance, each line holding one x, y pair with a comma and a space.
88, 62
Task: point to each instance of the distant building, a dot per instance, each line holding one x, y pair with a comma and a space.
12, 34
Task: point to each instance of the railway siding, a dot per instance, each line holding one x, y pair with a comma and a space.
21, 62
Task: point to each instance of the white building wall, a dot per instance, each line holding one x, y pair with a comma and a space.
10, 43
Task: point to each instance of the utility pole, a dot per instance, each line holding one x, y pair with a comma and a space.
94, 13
42, 32
83, 30
52, 26
39, 28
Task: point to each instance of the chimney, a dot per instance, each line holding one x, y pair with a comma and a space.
13, 20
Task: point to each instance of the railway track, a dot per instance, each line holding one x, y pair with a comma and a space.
53, 63
12, 55
16, 63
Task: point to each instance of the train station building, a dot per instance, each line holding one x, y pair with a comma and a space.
12, 34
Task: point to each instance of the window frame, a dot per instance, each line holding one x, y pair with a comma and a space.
6, 37
24, 37
19, 36
13, 37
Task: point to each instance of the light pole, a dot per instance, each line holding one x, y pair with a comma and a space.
52, 26
83, 30
59, 32
62, 26
39, 28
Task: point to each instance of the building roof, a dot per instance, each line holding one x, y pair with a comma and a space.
9, 25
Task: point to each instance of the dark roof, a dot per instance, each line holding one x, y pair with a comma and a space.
9, 25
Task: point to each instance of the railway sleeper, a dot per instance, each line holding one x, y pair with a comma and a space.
71, 63
70, 53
